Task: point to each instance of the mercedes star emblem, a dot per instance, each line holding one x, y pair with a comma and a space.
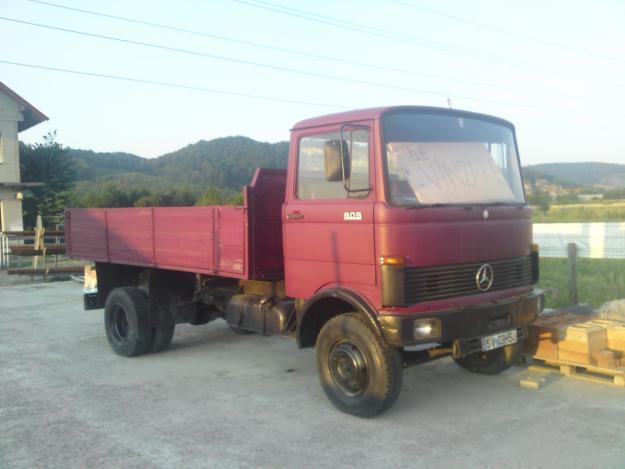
484, 277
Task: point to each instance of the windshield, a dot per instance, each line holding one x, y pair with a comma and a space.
445, 159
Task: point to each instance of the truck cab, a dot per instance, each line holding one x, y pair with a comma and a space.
395, 236
419, 214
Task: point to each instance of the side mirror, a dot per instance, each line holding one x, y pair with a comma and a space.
332, 160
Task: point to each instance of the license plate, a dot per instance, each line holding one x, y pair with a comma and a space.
499, 340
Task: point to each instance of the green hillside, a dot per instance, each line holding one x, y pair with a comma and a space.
204, 172
90, 165
601, 175
214, 172
224, 162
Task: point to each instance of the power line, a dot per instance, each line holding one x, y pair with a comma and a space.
171, 85
457, 50
316, 56
296, 71
509, 33
241, 95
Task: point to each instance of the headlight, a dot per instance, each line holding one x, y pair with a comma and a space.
427, 329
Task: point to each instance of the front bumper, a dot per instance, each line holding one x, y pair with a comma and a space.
466, 322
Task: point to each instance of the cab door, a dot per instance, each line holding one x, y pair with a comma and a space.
328, 224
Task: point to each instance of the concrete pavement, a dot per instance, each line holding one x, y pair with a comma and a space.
217, 399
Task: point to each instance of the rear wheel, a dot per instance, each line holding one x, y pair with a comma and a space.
359, 372
161, 338
126, 321
491, 362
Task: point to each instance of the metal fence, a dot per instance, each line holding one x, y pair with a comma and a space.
594, 240
4, 252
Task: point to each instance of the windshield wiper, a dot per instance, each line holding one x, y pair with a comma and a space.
441, 204
468, 206
511, 204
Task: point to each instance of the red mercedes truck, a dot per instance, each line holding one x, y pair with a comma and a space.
395, 236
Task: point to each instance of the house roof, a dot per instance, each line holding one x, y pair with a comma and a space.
32, 115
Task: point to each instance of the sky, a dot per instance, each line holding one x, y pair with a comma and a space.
555, 69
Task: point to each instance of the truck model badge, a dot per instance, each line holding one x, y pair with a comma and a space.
352, 215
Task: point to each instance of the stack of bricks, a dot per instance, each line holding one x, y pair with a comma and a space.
583, 340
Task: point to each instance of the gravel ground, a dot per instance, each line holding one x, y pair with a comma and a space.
217, 399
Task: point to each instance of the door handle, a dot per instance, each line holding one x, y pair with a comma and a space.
295, 216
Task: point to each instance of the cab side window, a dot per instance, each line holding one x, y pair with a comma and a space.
311, 180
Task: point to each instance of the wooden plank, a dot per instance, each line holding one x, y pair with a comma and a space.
26, 250
606, 359
575, 357
585, 332
618, 345
615, 332
30, 234
531, 383
51, 270
540, 347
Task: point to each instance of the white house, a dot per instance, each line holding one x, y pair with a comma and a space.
16, 115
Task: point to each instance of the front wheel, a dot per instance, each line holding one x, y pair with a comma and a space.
491, 362
359, 372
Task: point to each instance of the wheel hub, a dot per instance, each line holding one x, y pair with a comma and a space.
120, 324
348, 368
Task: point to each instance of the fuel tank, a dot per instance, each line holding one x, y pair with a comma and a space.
257, 313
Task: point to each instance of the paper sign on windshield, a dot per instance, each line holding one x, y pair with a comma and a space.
450, 172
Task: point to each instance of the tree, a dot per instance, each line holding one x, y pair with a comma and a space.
216, 196
540, 200
49, 163
567, 198
212, 196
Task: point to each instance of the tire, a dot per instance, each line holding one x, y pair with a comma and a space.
161, 338
238, 330
126, 321
492, 362
359, 372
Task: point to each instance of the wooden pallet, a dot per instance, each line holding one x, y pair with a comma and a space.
613, 376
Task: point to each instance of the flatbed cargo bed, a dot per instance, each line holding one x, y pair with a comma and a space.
243, 242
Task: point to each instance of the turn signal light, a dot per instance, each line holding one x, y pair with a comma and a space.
534, 247
392, 260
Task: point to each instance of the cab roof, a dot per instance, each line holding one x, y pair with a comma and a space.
375, 113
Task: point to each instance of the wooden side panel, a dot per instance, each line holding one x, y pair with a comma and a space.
183, 236
210, 240
86, 236
130, 235
231, 240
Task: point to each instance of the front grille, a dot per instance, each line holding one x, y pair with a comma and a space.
448, 281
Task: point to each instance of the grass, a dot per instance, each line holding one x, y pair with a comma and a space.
598, 281
576, 213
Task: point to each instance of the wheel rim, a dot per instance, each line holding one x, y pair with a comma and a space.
119, 324
348, 367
